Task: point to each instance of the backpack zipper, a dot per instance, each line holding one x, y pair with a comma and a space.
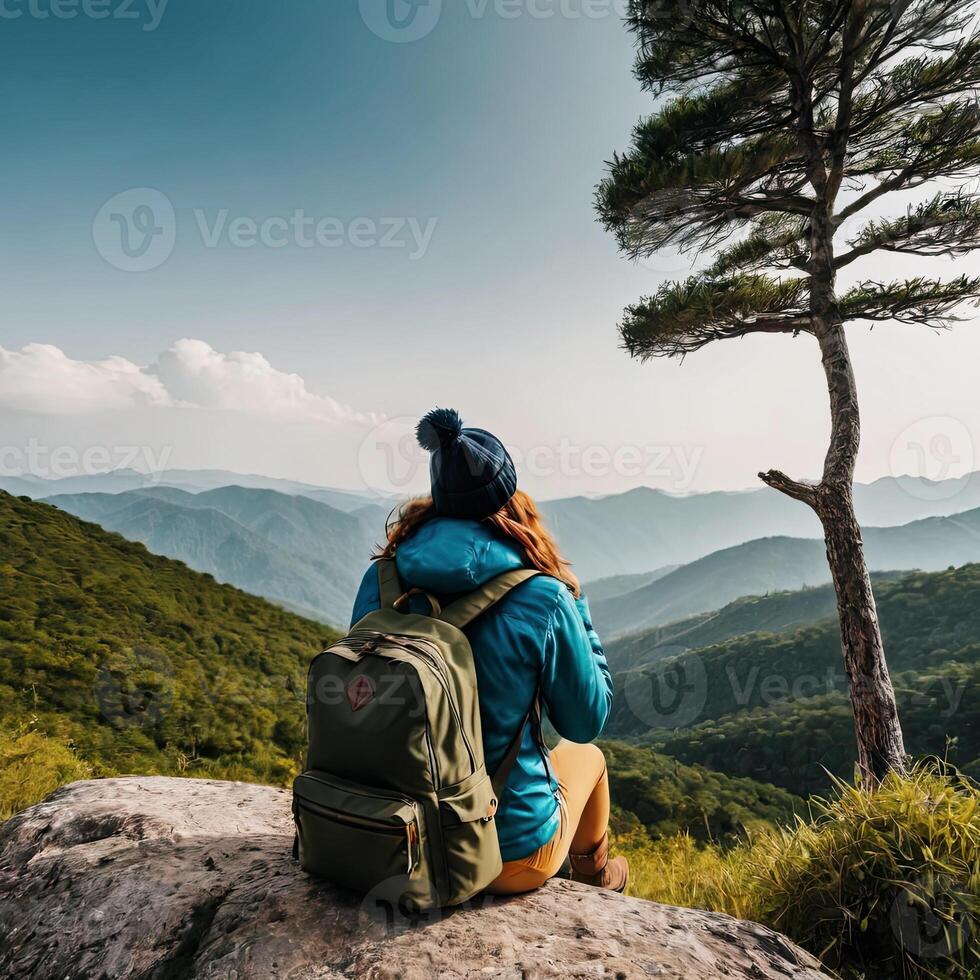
436, 666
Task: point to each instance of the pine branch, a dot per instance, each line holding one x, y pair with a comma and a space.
683, 317
908, 153
778, 242
653, 200
691, 43
740, 108
946, 225
918, 84
928, 302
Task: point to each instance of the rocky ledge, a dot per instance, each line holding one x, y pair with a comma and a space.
178, 878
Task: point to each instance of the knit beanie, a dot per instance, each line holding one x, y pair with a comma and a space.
472, 473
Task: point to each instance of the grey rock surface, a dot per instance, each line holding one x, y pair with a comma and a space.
153, 878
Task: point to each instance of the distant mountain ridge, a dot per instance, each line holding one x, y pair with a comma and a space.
289, 548
277, 547
644, 529
191, 481
778, 564
624, 534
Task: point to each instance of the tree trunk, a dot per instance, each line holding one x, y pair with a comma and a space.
879, 734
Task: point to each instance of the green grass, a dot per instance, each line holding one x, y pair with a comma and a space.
32, 765
879, 884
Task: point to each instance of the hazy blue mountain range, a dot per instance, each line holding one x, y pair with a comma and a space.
262, 538
193, 481
777, 612
645, 529
605, 588
625, 534
778, 564
301, 553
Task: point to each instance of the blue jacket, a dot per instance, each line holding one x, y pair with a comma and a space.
538, 631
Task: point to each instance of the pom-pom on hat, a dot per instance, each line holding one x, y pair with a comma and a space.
472, 473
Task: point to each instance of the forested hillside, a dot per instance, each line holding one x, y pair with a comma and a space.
775, 706
141, 663
667, 797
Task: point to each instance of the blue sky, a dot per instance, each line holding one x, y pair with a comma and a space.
475, 149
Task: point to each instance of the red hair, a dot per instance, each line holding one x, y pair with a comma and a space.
518, 520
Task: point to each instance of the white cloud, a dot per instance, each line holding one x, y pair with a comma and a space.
195, 373
42, 379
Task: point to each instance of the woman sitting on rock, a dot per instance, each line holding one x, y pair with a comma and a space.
537, 643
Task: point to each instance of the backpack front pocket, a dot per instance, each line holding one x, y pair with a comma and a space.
360, 838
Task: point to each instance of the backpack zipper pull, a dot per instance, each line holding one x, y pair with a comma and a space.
411, 833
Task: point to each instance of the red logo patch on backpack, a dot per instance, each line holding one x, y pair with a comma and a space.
360, 690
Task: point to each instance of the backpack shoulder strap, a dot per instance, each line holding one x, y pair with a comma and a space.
389, 585
463, 611
502, 773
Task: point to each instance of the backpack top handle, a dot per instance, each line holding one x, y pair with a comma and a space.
393, 596
401, 603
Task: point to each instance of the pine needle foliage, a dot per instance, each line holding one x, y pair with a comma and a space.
756, 99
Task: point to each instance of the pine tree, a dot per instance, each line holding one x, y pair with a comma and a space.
778, 122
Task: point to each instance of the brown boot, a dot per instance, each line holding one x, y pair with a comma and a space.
596, 869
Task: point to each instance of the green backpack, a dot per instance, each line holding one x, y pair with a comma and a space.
396, 801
